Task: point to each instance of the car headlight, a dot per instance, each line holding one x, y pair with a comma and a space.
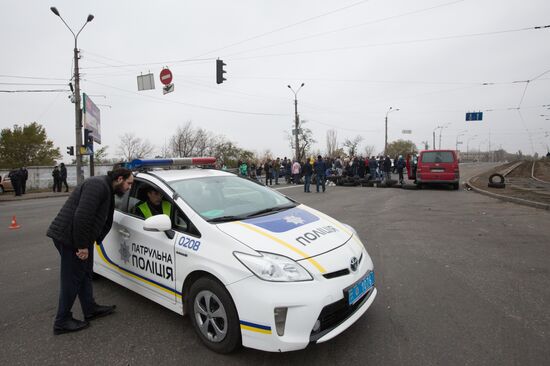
273, 267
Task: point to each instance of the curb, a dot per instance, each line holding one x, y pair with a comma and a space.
520, 201
27, 198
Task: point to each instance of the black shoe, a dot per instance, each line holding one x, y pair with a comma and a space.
100, 310
71, 325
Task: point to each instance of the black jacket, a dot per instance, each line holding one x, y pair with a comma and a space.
86, 216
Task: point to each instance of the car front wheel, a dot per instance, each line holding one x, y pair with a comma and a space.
214, 316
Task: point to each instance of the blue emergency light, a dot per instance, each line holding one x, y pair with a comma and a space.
156, 163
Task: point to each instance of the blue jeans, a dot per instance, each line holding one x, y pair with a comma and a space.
307, 183
75, 280
320, 180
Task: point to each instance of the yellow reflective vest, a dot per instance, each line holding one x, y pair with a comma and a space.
146, 211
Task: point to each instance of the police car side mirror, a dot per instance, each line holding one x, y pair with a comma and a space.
157, 223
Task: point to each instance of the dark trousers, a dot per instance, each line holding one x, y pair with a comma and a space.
64, 182
57, 185
307, 183
76, 280
16, 187
269, 176
23, 186
321, 181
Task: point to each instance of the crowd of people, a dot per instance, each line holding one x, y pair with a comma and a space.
302, 172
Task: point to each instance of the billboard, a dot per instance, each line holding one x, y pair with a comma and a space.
91, 118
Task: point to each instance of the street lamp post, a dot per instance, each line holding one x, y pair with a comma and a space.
440, 132
77, 110
461, 133
468, 145
386, 138
296, 120
456, 142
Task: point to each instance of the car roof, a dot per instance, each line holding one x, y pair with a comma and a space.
181, 174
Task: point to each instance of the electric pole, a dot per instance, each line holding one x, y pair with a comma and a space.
296, 121
77, 109
386, 124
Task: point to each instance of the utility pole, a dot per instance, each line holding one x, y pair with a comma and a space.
386, 138
77, 109
296, 121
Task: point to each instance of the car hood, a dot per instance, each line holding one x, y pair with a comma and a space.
297, 233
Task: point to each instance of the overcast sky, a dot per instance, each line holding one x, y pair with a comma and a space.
429, 58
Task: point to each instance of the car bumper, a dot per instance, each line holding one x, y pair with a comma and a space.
439, 181
320, 301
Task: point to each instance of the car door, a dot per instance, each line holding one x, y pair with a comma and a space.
145, 258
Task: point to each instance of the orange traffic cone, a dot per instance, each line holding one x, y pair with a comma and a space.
14, 224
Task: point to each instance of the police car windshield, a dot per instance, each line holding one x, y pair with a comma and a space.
229, 198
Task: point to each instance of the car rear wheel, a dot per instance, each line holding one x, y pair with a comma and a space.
455, 186
214, 316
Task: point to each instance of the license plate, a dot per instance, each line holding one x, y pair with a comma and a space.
356, 291
438, 170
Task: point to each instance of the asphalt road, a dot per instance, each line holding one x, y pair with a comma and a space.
463, 279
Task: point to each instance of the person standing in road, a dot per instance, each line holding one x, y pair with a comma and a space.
268, 172
85, 218
387, 168
296, 172
56, 174
24, 174
63, 177
320, 168
400, 166
308, 171
277, 170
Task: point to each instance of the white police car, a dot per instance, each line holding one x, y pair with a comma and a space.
248, 264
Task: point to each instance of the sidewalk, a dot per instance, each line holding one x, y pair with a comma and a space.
10, 196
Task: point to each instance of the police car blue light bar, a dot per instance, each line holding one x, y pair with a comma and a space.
151, 163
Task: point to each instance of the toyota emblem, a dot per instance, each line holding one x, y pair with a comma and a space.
354, 263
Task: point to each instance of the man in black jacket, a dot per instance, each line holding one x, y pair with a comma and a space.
86, 217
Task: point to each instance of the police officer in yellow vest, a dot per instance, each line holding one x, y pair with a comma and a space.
154, 205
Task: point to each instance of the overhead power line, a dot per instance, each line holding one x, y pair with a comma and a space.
33, 84
35, 91
30, 77
165, 100
285, 27
394, 43
374, 21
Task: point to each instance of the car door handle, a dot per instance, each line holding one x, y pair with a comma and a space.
124, 233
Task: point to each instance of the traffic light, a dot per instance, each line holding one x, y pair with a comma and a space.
220, 71
88, 140
70, 150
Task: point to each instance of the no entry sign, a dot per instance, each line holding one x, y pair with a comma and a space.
166, 76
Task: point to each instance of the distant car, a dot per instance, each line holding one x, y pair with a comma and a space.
249, 265
438, 167
5, 184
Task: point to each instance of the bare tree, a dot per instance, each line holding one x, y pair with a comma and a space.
305, 140
332, 142
183, 142
132, 147
203, 139
369, 150
352, 145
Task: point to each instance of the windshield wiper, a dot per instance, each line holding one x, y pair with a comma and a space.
226, 218
270, 210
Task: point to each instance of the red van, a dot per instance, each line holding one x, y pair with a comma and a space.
438, 167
